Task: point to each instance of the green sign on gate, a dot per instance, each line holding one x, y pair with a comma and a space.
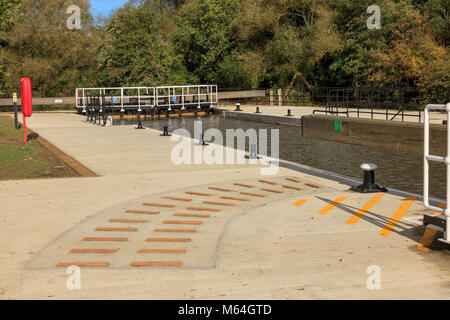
338, 126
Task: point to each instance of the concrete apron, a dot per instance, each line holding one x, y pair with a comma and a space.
297, 236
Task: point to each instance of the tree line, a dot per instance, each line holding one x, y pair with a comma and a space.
231, 43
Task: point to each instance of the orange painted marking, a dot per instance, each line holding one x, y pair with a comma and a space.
313, 185
219, 203
184, 222
331, 206
244, 185
272, 190
178, 199
427, 239
127, 221
168, 240
268, 182
442, 206
300, 203
157, 264
237, 199
199, 194
361, 212
203, 209
221, 189
117, 229
162, 251
294, 180
291, 187
94, 250
177, 230
105, 239
143, 212
398, 215
158, 205
189, 215
253, 194
83, 264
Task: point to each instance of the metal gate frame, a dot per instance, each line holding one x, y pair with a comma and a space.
446, 160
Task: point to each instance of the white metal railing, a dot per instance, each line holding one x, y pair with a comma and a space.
164, 97
445, 160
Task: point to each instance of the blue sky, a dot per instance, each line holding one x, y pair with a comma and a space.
105, 7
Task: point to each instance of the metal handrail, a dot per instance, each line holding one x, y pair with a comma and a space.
171, 96
427, 158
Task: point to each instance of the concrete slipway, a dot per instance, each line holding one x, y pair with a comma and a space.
214, 231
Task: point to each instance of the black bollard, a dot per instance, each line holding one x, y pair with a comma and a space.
253, 154
238, 107
16, 122
202, 140
289, 113
165, 132
369, 185
140, 126
257, 110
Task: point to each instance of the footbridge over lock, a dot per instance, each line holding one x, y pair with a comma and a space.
99, 103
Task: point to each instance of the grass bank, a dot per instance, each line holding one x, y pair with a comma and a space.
27, 161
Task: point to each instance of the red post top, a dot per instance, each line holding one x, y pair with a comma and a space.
27, 97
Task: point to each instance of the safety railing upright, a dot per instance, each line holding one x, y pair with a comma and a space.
444, 160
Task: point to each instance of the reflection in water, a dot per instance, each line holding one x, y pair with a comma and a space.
397, 170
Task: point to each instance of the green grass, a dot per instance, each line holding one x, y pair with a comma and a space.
21, 161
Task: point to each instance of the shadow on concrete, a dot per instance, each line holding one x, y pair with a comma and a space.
408, 230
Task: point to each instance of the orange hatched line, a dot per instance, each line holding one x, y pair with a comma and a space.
427, 239
361, 212
398, 215
331, 206
300, 202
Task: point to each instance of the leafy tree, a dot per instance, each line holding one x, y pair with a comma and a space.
204, 35
8, 15
136, 49
351, 66
439, 19
42, 47
291, 37
415, 58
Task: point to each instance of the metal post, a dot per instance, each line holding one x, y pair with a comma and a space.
16, 121
198, 90
445, 160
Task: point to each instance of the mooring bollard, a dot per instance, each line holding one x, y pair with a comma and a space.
165, 132
238, 107
289, 113
202, 140
140, 126
257, 110
253, 154
369, 185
